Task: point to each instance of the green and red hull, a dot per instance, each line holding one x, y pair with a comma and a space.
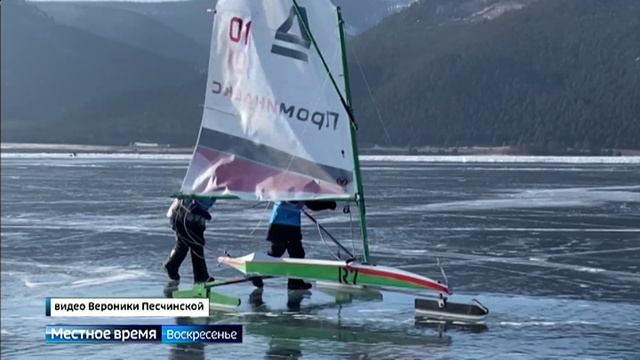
348, 273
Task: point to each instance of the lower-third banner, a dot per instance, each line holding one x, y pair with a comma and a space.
168, 334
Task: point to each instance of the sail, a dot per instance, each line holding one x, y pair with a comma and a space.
273, 125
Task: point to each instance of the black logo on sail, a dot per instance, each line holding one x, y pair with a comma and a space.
294, 41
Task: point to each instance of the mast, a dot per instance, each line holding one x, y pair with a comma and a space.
359, 198
354, 143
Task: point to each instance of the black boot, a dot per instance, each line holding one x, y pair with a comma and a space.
257, 282
298, 284
174, 260
255, 298
173, 275
207, 280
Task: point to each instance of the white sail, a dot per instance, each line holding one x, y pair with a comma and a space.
273, 126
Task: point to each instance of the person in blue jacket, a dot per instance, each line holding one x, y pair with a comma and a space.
285, 233
188, 219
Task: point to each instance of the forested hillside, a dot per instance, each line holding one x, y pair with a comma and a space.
538, 75
556, 74
49, 70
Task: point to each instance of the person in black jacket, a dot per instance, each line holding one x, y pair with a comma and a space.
188, 219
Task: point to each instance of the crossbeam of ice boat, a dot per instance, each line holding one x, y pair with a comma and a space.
216, 299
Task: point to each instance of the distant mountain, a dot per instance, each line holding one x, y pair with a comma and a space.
547, 75
188, 17
541, 75
104, 72
362, 15
120, 19
50, 69
168, 114
442, 12
127, 23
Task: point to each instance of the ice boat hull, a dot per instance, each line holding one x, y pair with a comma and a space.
349, 273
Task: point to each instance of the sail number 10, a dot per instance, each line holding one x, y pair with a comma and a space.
238, 30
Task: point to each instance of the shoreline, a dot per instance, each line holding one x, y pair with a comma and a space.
420, 151
94, 149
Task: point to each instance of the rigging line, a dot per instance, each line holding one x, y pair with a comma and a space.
444, 274
324, 241
328, 233
346, 106
262, 212
353, 237
373, 100
189, 238
192, 239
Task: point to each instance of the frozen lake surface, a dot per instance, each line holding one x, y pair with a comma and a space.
550, 245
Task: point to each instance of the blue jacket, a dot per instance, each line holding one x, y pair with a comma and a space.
286, 213
201, 207
205, 204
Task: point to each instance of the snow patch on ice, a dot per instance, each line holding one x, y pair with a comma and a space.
516, 159
527, 323
125, 275
94, 156
504, 159
532, 199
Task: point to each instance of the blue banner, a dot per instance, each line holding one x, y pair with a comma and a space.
188, 334
168, 334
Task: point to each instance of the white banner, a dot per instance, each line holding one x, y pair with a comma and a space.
126, 307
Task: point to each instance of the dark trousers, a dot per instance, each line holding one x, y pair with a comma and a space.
285, 238
189, 237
